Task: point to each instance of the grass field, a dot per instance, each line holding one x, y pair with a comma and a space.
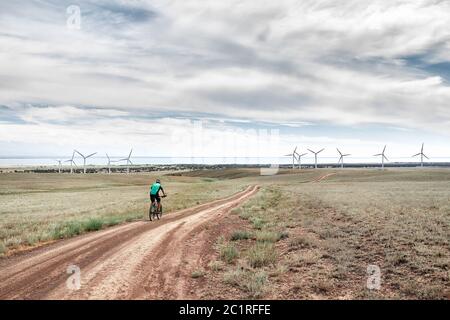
37, 208
316, 240
299, 238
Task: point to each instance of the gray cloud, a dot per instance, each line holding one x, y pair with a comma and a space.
331, 62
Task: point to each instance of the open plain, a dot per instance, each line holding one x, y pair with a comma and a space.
228, 234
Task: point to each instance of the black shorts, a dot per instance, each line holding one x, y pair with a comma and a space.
157, 197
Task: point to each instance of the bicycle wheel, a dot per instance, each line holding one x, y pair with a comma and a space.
151, 212
159, 213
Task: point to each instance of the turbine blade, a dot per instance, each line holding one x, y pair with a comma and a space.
416, 155
311, 151
426, 157
91, 155
320, 151
130, 153
384, 149
79, 153
385, 157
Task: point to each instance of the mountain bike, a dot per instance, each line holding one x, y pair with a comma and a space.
153, 212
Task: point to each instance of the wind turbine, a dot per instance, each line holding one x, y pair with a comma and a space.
341, 158
109, 164
72, 162
128, 161
299, 159
84, 159
383, 157
293, 157
315, 156
421, 154
59, 165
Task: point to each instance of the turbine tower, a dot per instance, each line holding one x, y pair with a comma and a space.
72, 162
315, 156
59, 165
421, 154
293, 157
84, 159
341, 158
128, 161
299, 159
383, 157
109, 164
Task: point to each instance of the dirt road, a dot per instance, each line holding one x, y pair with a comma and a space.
140, 260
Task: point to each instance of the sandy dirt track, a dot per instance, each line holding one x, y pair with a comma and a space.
139, 260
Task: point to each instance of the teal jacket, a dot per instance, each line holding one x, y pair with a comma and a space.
154, 189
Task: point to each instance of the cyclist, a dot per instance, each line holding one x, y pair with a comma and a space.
154, 193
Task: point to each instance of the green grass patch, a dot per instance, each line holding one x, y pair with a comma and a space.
228, 252
268, 236
245, 214
257, 223
67, 229
241, 235
252, 282
261, 254
93, 224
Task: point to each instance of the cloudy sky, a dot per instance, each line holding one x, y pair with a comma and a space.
211, 78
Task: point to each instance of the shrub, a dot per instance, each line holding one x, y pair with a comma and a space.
66, 230
228, 252
268, 236
234, 277
240, 235
257, 223
262, 254
245, 214
251, 282
255, 283
93, 224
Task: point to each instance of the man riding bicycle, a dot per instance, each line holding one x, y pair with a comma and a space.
154, 193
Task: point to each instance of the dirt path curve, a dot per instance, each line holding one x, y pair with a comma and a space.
136, 260
319, 179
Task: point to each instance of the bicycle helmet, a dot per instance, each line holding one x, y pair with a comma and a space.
158, 181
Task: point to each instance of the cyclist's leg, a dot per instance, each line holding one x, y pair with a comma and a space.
158, 200
153, 200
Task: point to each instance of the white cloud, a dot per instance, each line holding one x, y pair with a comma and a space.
290, 62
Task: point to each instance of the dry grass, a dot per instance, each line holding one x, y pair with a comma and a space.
40, 207
396, 219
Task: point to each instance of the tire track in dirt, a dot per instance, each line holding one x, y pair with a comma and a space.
111, 261
169, 274
321, 178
